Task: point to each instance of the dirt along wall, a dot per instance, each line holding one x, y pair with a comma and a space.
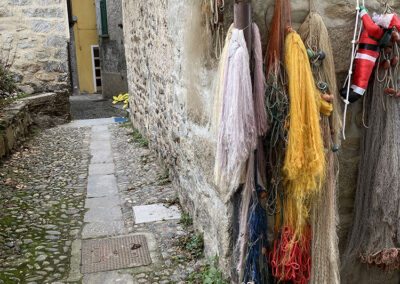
171, 73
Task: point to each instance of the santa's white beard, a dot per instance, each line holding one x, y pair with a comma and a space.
382, 20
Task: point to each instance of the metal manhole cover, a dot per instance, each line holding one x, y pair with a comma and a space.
115, 253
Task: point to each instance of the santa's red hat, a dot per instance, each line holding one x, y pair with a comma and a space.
387, 21
395, 23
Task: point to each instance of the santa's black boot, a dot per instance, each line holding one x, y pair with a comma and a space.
352, 95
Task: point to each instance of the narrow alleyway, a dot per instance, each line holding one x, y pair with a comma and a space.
87, 202
93, 106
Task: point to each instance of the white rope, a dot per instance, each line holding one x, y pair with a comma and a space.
353, 54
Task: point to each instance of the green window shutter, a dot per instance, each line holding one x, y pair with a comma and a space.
104, 24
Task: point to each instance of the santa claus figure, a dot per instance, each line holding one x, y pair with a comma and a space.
376, 35
387, 21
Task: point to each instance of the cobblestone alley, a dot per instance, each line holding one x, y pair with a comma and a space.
68, 199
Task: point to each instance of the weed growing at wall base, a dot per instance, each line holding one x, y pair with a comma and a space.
192, 245
164, 177
172, 202
126, 124
138, 138
186, 220
7, 83
208, 274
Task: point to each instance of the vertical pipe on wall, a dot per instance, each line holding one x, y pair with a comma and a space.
242, 19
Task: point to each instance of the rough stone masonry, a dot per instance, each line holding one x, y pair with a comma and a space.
170, 79
34, 37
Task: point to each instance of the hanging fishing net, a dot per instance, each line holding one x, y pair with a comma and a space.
374, 237
277, 104
303, 167
250, 249
237, 133
324, 214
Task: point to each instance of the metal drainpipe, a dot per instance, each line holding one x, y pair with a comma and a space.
69, 46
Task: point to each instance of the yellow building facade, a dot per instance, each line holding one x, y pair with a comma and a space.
86, 44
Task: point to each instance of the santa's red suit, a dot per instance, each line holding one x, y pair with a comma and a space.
367, 54
368, 50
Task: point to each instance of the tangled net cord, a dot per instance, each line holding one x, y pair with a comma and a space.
298, 267
312, 46
387, 78
388, 260
277, 104
256, 268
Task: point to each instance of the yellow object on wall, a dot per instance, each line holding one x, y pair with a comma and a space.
85, 31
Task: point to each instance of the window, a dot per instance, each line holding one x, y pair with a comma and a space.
103, 13
96, 68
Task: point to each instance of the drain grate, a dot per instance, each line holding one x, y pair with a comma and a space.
115, 253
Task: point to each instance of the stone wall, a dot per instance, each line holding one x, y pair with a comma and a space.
170, 76
112, 53
34, 35
48, 109
44, 110
14, 126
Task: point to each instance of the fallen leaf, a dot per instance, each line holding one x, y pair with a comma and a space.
136, 246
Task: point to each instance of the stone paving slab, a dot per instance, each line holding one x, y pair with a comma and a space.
101, 169
91, 122
102, 202
101, 155
99, 136
108, 277
155, 212
99, 128
100, 145
103, 229
102, 185
100, 151
102, 158
103, 214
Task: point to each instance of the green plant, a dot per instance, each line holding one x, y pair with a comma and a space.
138, 138
164, 177
193, 245
174, 201
208, 274
126, 124
7, 101
7, 84
186, 220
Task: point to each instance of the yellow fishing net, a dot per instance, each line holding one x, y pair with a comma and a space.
304, 166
